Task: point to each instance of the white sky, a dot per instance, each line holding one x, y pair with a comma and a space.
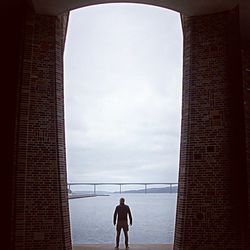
123, 75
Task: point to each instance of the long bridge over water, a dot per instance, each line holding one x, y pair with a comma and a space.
145, 184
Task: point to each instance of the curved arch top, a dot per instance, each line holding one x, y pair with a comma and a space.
188, 7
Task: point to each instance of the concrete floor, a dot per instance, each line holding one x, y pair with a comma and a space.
131, 247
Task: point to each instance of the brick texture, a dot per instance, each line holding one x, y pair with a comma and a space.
246, 84
40, 202
212, 207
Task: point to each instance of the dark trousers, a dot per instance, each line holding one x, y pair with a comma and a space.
118, 232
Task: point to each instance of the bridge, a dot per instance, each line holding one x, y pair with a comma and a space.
145, 184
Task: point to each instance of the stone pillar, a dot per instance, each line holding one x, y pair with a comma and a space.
40, 202
246, 84
212, 206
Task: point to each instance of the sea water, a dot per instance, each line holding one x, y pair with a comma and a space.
153, 218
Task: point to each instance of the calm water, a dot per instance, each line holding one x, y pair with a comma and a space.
153, 218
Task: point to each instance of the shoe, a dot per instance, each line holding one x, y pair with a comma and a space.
116, 247
127, 247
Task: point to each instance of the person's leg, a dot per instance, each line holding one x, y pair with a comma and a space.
118, 232
125, 230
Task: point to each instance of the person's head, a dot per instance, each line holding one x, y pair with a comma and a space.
122, 201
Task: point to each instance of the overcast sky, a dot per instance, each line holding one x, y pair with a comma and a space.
123, 74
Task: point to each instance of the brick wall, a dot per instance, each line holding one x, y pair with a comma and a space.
212, 208
40, 204
246, 84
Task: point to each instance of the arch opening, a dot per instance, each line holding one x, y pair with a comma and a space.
136, 78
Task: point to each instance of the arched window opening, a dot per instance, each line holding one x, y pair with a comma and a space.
123, 75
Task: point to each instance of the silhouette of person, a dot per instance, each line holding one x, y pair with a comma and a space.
123, 211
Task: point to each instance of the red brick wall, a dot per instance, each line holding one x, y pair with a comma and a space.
212, 207
40, 204
246, 84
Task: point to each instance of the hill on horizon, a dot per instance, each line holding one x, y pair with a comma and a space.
153, 190
134, 191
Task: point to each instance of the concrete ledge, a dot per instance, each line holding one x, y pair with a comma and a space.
131, 247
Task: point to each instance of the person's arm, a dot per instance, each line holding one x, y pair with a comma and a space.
115, 215
130, 216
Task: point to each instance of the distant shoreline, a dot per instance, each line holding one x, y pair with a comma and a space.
164, 190
78, 196
152, 190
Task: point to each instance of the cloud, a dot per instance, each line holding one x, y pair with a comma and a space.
123, 65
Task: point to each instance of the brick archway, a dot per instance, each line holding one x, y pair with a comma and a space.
213, 199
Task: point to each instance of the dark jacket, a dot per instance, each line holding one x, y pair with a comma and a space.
123, 212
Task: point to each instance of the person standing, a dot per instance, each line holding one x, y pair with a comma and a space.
123, 211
